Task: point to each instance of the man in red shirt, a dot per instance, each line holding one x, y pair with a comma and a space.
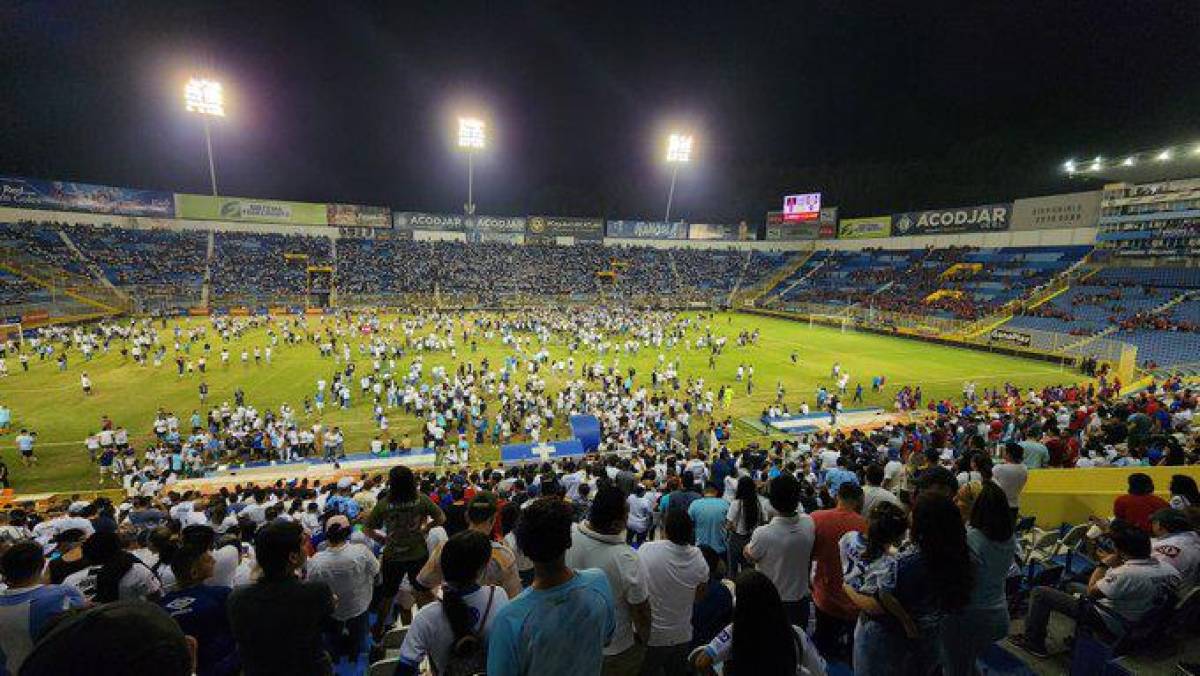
1139, 503
836, 614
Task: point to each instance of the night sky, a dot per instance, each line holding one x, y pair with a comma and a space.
883, 106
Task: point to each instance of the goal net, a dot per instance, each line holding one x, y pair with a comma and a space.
837, 321
10, 332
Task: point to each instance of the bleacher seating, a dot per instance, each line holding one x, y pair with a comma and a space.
974, 281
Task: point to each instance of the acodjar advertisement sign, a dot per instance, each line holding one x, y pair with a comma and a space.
981, 218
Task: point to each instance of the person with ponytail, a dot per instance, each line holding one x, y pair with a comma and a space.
761, 641
113, 574
453, 632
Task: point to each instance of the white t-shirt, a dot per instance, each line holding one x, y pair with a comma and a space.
782, 550
873, 495
430, 634
811, 663
136, 585
734, 515
225, 563
626, 579
892, 470
641, 511
350, 572
1182, 552
1011, 476
1130, 589
672, 573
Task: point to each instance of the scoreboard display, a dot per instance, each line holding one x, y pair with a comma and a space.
806, 207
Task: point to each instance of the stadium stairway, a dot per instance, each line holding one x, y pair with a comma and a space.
94, 270
1079, 271
206, 287
1113, 328
59, 281
737, 284
756, 292
675, 270
773, 293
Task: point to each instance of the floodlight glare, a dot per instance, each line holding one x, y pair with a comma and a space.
1196, 150
1069, 165
471, 133
679, 148
1096, 164
1164, 156
204, 97
1129, 161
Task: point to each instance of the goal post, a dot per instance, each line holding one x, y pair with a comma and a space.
837, 321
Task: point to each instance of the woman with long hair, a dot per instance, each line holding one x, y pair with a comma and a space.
900, 629
466, 609
407, 516
746, 513
761, 641
984, 620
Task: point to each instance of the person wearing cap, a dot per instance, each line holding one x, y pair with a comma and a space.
349, 569
150, 643
70, 555
27, 606
200, 609
1176, 542
501, 570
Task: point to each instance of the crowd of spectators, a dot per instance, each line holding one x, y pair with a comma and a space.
266, 265
891, 550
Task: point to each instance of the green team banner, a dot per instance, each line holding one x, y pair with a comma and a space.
205, 208
865, 228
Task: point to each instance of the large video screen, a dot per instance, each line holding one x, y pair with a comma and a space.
805, 207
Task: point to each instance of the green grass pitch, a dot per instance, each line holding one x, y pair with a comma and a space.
53, 404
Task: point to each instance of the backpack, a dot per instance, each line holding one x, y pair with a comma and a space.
468, 655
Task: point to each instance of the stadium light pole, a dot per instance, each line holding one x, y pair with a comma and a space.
206, 98
679, 151
471, 137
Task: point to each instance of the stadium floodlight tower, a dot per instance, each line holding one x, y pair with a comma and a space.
206, 98
679, 151
472, 136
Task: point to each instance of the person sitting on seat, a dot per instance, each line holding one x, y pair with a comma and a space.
1129, 582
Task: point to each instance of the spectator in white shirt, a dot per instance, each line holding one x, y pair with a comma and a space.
457, 626
782, 549
599, 542
349, 569
114, 574
874, 492
677, 576
1176, 542
1011, 475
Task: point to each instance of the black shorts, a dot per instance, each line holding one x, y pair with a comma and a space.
394, 572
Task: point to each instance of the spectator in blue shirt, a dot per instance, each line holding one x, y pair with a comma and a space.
839, 475
708, 513
200, 611
561, 623
28, 605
